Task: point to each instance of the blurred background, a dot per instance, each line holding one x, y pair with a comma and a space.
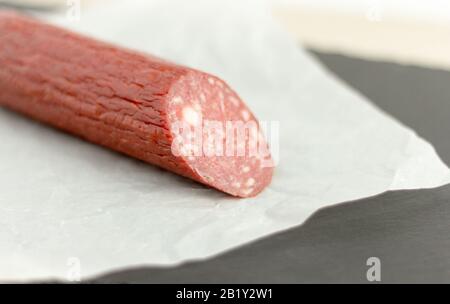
404, 31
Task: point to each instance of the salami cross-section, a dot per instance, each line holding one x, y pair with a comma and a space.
174, 117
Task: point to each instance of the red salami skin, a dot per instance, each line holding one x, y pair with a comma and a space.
124, 100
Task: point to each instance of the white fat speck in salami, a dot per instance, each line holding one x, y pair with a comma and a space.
222, 106
177, 100
245, 115
197, 107
236, 185
191, 116
250, 182
234, 101
245, 169
247, 192
202, 98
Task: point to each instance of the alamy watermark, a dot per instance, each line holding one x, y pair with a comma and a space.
213, 138
73, 12
373, 274
74, 269
374, 11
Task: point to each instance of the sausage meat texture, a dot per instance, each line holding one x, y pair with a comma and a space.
130, 102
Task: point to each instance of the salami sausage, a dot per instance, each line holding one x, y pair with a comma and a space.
174, 117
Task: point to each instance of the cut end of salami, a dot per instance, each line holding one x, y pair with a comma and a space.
171, 116
217, 136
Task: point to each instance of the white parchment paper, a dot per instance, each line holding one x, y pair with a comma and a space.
65, 203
